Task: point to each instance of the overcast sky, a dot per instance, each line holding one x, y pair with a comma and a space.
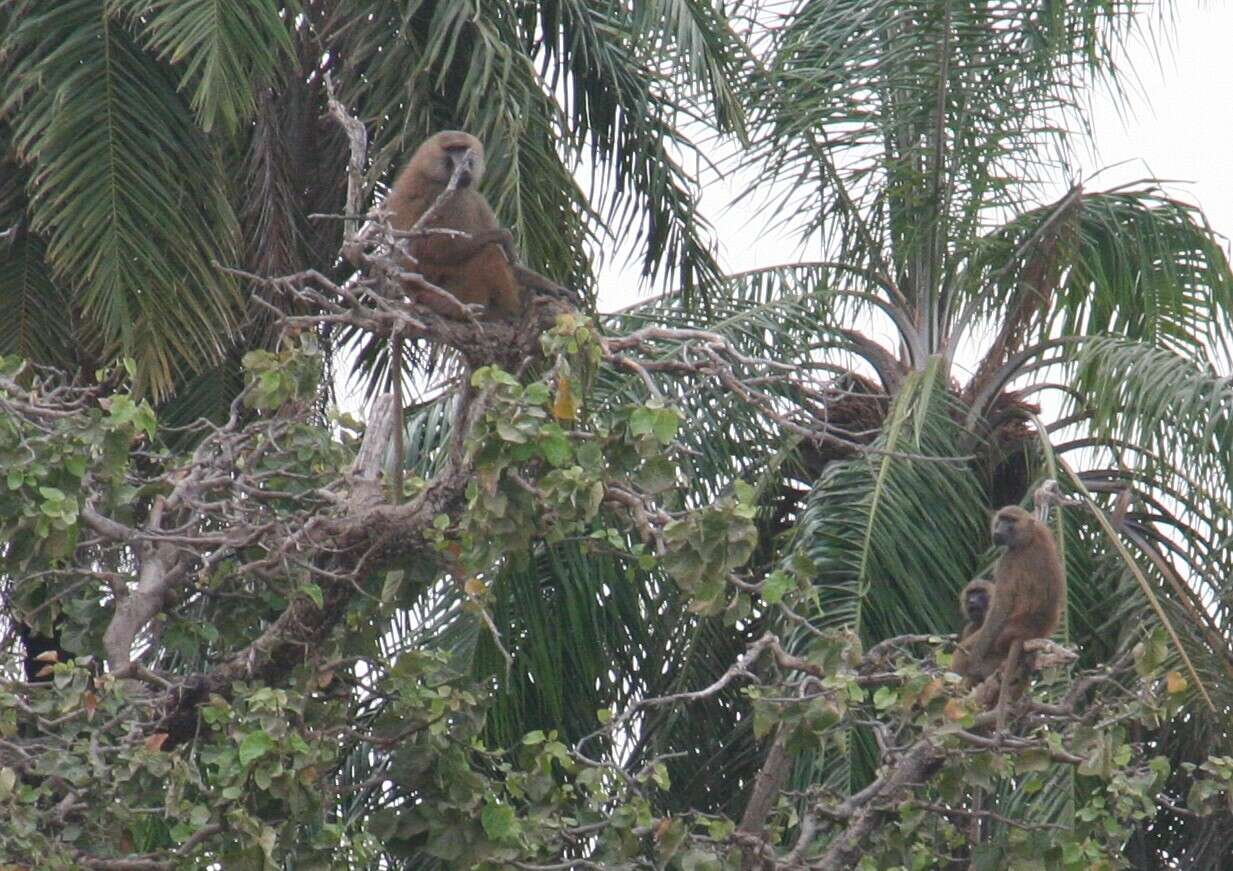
1177, 124
1181, 113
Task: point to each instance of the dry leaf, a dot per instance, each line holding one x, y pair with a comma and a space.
930, 690
564, 408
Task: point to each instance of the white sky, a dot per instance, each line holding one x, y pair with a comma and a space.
1181, 113
1177, 126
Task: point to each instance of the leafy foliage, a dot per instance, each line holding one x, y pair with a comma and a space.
673, 587
253, 785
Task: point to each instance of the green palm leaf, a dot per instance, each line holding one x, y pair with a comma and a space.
1156, 398
227, 49
123, 186
34, 326
1130, 263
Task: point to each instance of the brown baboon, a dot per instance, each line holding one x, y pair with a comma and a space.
1028, 595
474, 268
974, 603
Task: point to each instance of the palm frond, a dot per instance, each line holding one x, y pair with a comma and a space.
1168, 421
1132, 263
1156, 397
35, 325
577, 629
123, 186
226, 48
36, 328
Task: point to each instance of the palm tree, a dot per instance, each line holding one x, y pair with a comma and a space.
1077, 339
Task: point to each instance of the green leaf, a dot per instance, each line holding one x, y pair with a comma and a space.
642, 421
556, 448
391, 586
313, 592
665, 425
254, 746
884, 698
499, 822
777, 584
508, 431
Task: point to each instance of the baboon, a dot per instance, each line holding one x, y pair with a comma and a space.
1028, 594
974, 603
474, 268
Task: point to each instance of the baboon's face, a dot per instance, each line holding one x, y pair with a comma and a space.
1012, 526
976, 606
464, 161
459, 152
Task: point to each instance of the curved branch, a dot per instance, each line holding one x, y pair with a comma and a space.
998, 381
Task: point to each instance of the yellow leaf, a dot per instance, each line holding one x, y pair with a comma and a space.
564, 408
1175, 683
954, 710
475, 587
